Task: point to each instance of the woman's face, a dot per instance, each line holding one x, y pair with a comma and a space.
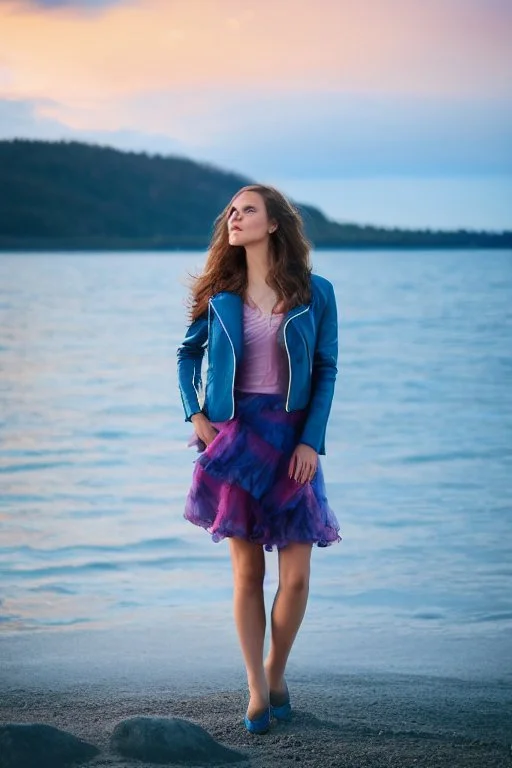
248, 222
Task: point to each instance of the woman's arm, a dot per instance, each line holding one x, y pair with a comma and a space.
190, 355
324, 373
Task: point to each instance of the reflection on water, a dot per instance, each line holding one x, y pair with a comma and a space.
94, 466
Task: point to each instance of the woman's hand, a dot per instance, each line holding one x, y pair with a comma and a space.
303, 463
204, 429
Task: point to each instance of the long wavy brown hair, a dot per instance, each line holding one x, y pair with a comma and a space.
226, 266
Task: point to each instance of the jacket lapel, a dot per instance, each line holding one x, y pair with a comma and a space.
296, 311
228, 307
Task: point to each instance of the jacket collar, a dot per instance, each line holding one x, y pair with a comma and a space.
229, 303
228, 307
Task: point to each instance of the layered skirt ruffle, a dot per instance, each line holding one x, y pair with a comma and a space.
240, 484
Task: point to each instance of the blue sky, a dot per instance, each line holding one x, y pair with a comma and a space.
390, 112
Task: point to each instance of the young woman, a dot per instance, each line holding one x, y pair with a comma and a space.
270, 328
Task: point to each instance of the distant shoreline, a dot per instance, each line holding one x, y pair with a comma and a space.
19, 246
80, 197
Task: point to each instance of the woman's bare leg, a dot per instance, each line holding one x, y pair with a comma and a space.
288, 610
248, 562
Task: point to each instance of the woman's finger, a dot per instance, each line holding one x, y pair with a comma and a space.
207, 433
298, 468
306, 472
212, 434
292, 465
310, 473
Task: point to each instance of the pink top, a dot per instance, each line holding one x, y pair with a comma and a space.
264, 366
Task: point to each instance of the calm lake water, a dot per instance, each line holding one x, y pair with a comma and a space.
94, 466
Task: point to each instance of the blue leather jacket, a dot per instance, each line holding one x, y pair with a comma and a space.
310, 336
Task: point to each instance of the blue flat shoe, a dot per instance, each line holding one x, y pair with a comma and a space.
259, 724
283, 711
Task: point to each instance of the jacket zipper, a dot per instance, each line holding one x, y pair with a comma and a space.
288, 353
234, 362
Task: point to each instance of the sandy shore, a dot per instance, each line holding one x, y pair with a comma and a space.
87, 681
339, 720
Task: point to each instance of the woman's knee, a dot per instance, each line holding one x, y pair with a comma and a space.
248, 581
295, 567
248, 563
296, 583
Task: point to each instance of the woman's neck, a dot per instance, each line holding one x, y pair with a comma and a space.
258, 265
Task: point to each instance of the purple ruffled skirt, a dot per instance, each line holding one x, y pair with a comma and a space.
240, 484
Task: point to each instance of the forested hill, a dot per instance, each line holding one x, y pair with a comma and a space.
69, 195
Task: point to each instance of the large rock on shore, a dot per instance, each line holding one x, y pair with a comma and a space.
36, 745
169, 740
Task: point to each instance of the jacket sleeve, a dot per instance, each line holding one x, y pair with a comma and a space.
325, 361
190, 355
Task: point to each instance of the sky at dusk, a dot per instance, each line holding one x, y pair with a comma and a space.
393, 112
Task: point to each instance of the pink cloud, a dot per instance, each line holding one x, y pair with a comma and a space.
91, 68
